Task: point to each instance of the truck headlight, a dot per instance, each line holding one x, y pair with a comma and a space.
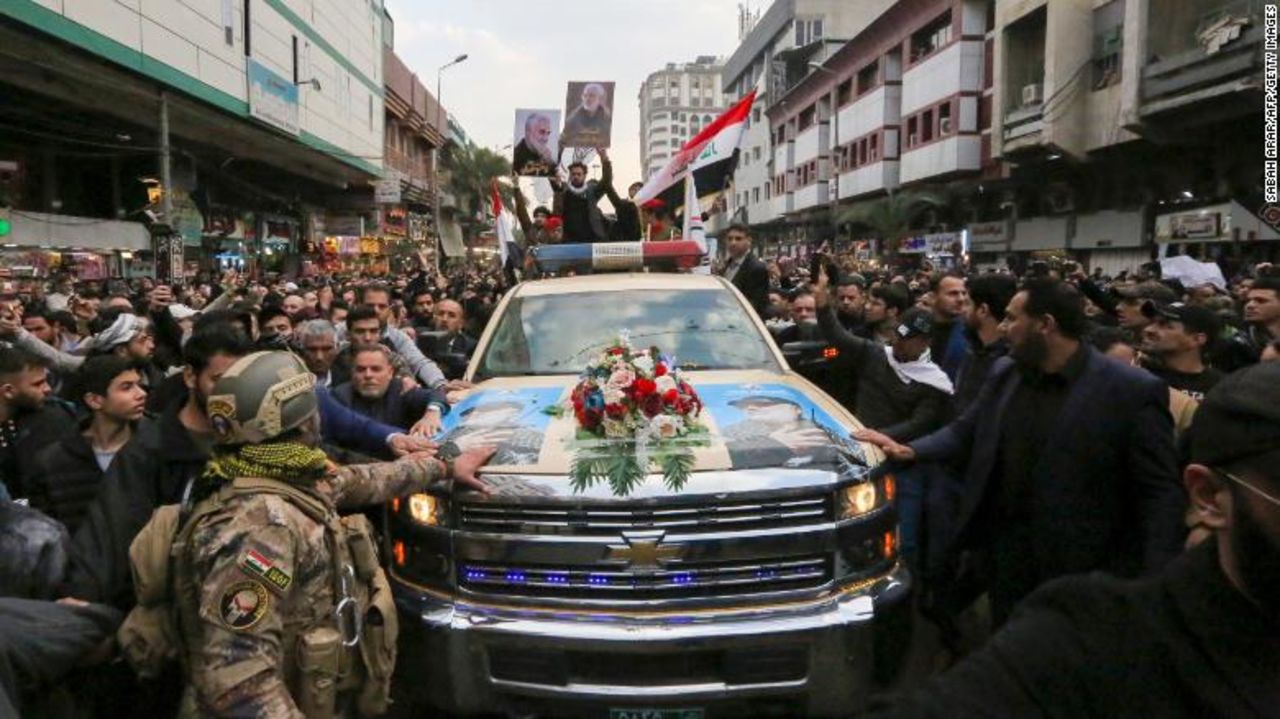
858, 499
426, 509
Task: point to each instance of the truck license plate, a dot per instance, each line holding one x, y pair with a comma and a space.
656, 713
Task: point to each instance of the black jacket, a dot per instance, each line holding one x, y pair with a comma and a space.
583, 220
1184, 644
66, 480
1105, 492
151, 470
883, 402
450, 352
974, 368
35, 430
752, 280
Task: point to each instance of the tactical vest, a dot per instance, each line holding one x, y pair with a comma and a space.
331, 653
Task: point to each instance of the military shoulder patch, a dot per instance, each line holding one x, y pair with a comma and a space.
243, 605
255, 564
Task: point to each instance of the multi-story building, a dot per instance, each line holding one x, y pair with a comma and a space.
266, 107
676, 102
775, 52
1120, 122
902, 103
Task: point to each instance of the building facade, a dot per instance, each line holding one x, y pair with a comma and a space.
268, 109
774, 53
1108, 131
676, 102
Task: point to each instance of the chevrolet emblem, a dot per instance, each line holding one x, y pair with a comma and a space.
644, 550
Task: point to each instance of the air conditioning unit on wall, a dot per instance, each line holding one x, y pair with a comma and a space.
1032, 94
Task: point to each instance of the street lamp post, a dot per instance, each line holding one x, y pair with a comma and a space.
444, 131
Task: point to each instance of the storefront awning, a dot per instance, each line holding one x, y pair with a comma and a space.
65, 232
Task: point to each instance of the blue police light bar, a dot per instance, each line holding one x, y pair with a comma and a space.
618, 256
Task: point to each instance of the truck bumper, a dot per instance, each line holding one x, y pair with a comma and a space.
812, 658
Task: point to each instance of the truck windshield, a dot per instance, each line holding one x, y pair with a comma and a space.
557, 334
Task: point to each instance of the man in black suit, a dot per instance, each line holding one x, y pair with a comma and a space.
1199, 639
745, 270
1070, 461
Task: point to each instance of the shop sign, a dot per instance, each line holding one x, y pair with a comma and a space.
386, 192
394, 220
272, 99
988, 233
938, 243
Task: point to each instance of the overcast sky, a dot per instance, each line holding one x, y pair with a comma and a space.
522, 54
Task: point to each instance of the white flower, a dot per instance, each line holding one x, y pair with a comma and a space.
644, 364
665, 383
613, 395
622, 378
665, 426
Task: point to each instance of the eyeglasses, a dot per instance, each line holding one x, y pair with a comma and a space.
1250, 486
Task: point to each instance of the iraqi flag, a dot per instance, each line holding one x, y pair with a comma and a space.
711, 155
504, 229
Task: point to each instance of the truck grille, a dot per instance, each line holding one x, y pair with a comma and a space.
691, 579
610, 519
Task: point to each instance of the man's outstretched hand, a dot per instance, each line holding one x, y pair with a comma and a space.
467, 464
892, 449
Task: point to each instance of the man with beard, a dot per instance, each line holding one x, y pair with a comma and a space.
29, 419
1069, 457
886, 305
1174, 346
589, 123
578, 202
626, 226
534, 156
989, 295
1198, 640
851, 303
447, 344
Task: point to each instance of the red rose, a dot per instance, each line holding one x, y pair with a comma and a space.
670, 396
615, 410
616, 351
644, 387
652, 405
660, 370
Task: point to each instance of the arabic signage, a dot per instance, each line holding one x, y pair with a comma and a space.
272, 99
386, 192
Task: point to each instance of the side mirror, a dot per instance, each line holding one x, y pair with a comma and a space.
807, 354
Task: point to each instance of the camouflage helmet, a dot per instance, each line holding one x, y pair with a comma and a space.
261, 396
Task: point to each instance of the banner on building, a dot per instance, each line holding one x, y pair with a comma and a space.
272, 99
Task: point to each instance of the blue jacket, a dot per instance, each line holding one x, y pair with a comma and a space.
347, 428
1106, 493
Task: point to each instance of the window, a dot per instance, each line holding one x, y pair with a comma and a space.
844, 93
294, 43
706, 119
926, 126
944, 119
872, 151
931, 37
755, 115
867, 78
756, 151
807, 117
694, 83
808, 31
1108, 44
862, 152
913, 135
755, 195
248, 26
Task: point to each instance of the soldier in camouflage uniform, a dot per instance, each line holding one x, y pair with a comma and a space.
280, 603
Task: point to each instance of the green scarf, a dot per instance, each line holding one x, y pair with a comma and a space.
285, 461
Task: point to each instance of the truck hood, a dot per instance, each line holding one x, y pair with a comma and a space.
758, 423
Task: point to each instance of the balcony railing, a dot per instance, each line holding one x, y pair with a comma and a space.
1220, 47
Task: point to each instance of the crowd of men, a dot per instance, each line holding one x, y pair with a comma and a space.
1038, 424
1055, 424
104, 416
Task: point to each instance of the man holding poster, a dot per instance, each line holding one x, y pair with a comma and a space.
537, 152
589, 114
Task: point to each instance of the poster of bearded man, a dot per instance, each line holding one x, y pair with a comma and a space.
588, 115
537, 143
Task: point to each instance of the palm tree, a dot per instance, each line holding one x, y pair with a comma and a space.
890, 218
471, 168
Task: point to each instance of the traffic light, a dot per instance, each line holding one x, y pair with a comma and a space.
6, 225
